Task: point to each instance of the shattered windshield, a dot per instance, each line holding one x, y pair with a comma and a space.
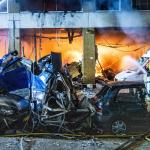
103, 91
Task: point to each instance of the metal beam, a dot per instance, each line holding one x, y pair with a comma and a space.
76, 20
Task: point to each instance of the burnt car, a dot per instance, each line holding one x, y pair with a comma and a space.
121, 107
40, 95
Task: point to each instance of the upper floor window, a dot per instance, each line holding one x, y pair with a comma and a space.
3, 6
141, 4
50, 5
108, 4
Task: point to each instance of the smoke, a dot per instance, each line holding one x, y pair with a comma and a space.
140, 33
129, 62
128, 17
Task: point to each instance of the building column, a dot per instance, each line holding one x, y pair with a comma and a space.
14, 31
88, 64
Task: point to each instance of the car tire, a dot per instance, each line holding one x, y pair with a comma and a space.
119, 126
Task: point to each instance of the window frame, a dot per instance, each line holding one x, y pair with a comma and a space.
138, 100
2, 12
135, 7
119, 6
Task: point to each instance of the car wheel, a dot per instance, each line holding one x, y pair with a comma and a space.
119, 126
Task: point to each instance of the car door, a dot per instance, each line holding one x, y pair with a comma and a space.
132, 106
16, 77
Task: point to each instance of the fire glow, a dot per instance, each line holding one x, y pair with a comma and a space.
112, 44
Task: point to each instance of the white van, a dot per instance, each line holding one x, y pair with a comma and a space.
138, 73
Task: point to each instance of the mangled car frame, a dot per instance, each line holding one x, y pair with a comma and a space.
41, 94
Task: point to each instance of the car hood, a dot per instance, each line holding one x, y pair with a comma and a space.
129, 75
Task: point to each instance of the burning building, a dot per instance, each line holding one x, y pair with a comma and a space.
74, 27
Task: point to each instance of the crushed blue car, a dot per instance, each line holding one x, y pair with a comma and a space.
42, 92
17, 75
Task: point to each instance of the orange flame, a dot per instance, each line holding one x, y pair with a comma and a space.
3, 42
112, 44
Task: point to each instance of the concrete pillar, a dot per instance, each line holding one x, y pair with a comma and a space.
14, 33
14, 39
88, 65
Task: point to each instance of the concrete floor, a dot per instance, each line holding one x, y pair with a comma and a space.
58, 144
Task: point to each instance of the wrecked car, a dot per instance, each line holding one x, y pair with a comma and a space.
41, 95
121, 107
36, 95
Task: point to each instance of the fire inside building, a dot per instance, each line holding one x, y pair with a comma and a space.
75, 66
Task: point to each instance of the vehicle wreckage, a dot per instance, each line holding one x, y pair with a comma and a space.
42, 95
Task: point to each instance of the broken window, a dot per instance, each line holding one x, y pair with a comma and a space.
108, 4
3, 6
141, 4
131, 94
50, 5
